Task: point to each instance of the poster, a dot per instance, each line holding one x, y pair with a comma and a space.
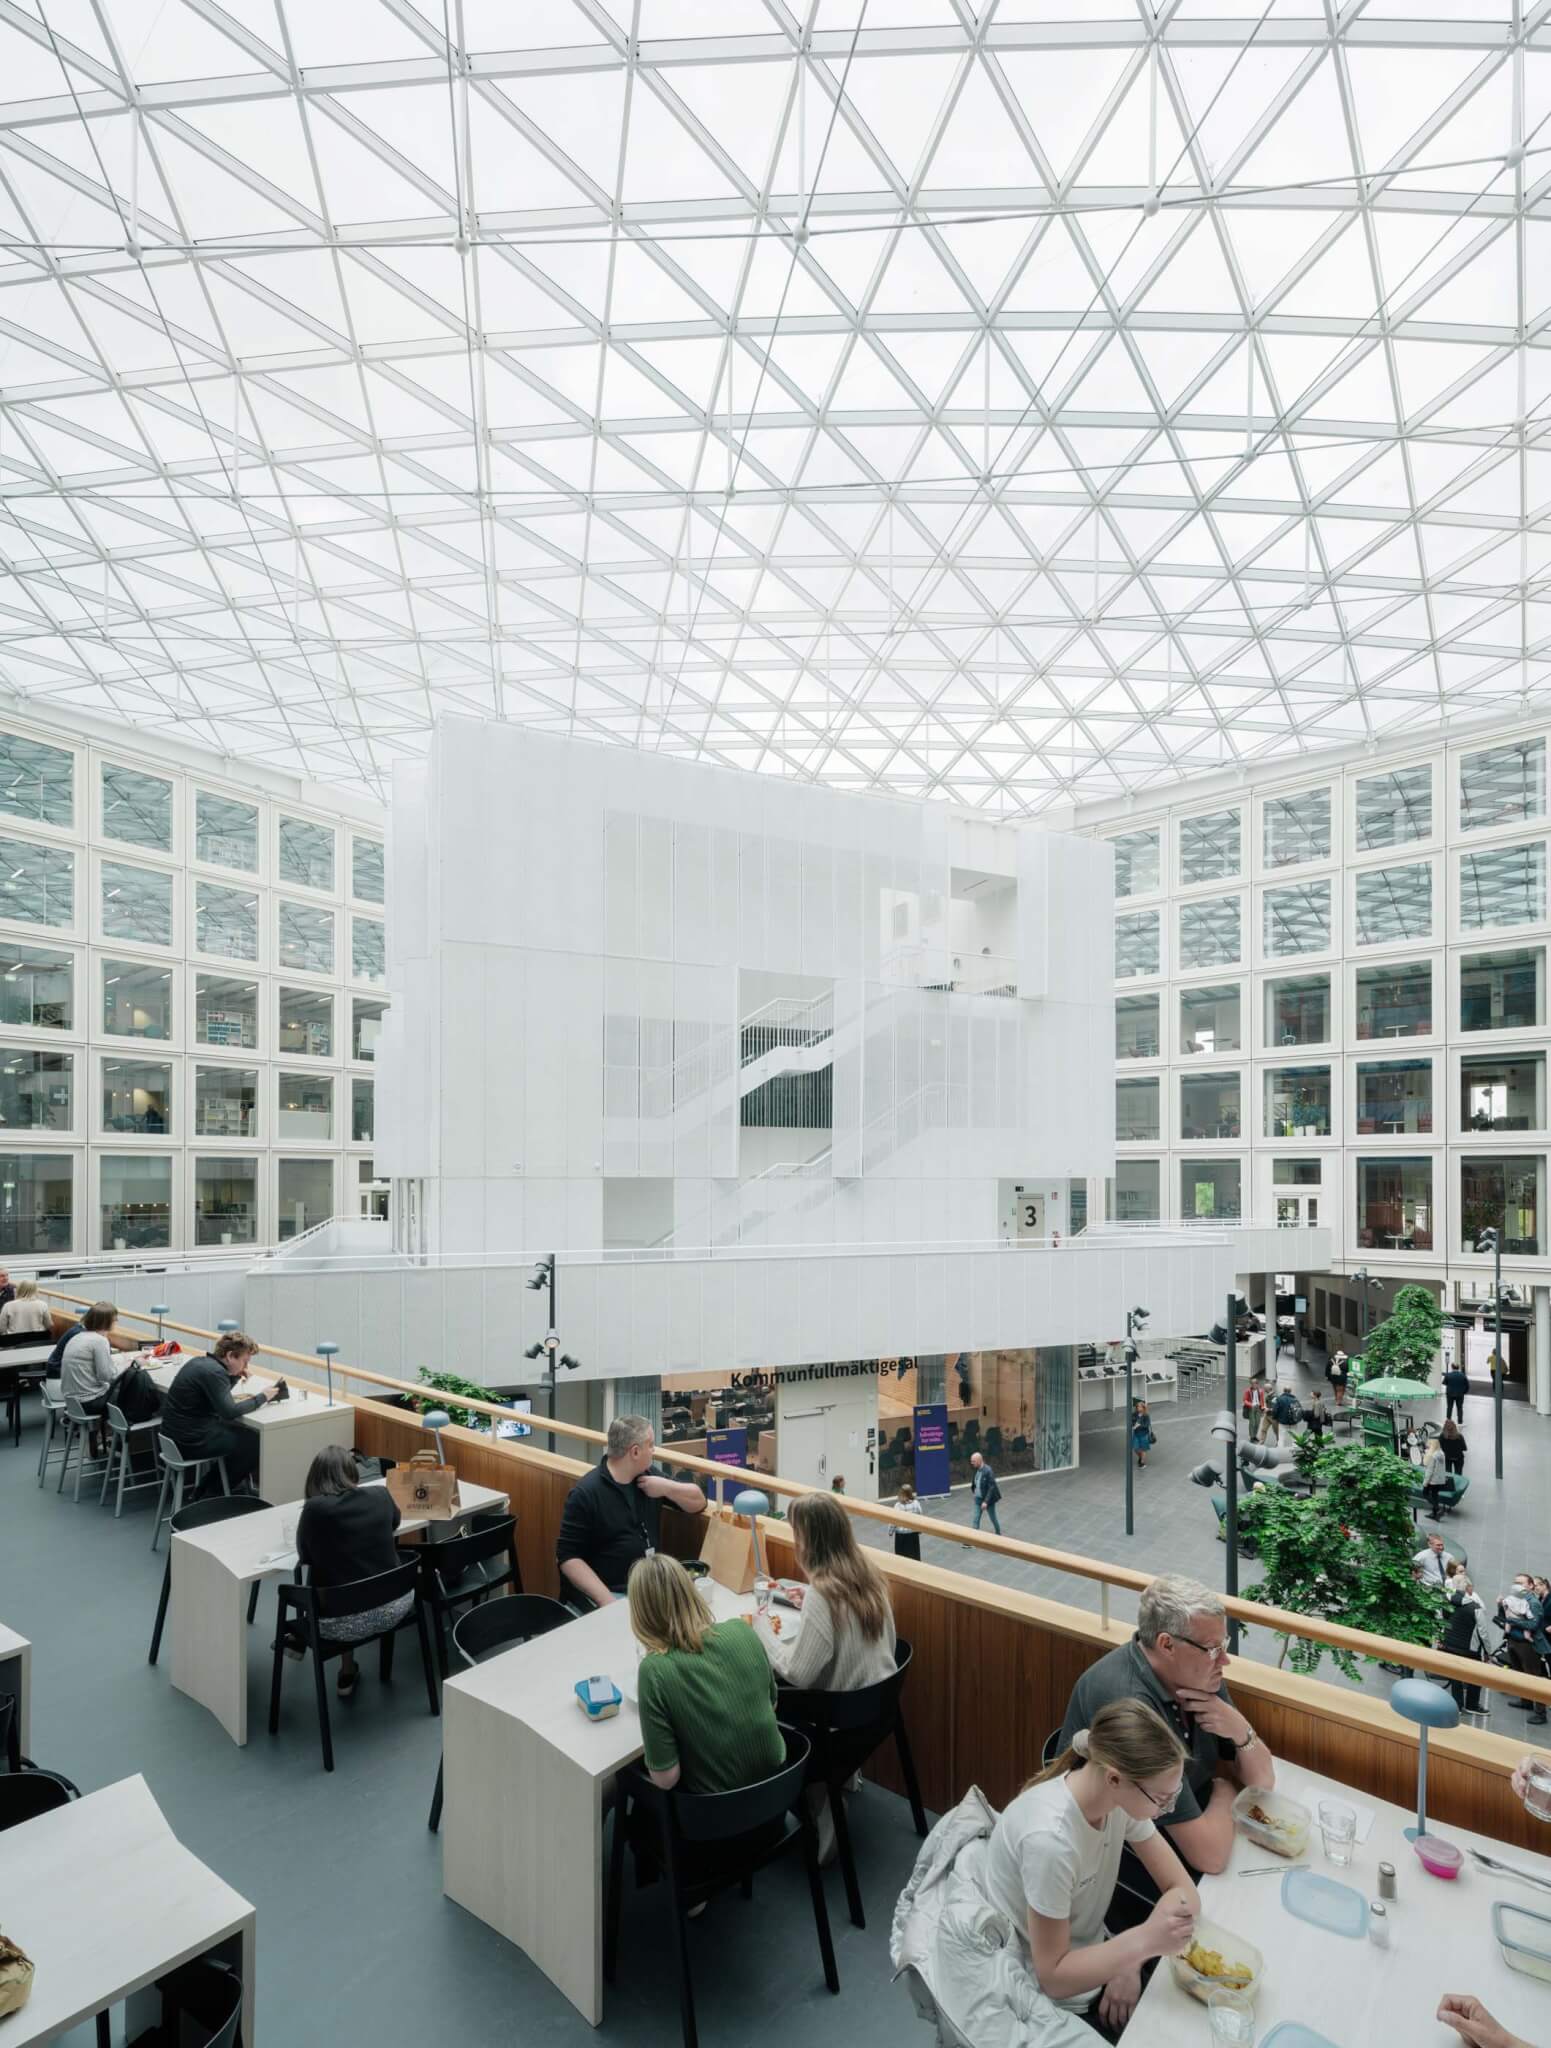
931, 1449
728, 1447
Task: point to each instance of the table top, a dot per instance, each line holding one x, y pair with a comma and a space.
263, 1546
108, 1863
28, 1354
302, 1406
1440, 1940
11, 1644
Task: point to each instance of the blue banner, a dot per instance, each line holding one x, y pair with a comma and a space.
931, 1449
728, 1447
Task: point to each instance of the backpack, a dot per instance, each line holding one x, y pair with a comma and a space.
136, 1395
1286, 1409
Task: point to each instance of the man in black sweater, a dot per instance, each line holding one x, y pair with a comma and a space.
203, 1420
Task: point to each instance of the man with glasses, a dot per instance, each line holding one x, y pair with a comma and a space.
1175, 1662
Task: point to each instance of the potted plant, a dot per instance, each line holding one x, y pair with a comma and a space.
1408, 1340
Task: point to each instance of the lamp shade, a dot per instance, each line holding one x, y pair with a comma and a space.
753, 1503
326, 1350
160, 1308
1417, 1699
437, 1418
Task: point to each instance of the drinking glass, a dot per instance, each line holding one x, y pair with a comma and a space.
1537, 1790
288, 1532
1231, 2016
762, 1591
1338, 1825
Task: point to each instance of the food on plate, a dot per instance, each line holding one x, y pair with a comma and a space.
1209, 1962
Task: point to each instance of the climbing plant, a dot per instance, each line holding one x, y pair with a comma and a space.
1409, 1338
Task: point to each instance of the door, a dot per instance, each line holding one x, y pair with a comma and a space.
802, 1446
1295, 1209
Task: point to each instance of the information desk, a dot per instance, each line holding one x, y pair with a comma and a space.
291, 1432
212, 1570
1353, 1993
16, 1679
104, 1899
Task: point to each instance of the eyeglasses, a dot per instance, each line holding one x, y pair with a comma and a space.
1159, 1806
1213, 1650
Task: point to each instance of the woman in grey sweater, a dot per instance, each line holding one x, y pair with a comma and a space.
846, 1639
86, 1367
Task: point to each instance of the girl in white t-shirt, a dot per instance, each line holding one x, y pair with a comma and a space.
1053, 1856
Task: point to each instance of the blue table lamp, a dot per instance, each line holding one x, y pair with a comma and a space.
436, 1420
226, 1325
1429, 1706
752, 1504
327, 1353
159, 1309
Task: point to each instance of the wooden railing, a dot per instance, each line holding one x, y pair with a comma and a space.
994, 1667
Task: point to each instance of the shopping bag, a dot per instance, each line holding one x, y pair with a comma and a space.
425, 1488
727, 1550
15, 1977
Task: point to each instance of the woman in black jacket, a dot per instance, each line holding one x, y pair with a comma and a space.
346, 1533
1451, 1442
1462, 1615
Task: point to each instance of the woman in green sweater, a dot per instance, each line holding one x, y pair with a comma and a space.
706, 1691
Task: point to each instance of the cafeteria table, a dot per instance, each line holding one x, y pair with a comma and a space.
1351, 1992
290, 1432
213, 1568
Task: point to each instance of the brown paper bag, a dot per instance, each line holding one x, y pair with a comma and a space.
727, 1549
15, 1977
424, 1488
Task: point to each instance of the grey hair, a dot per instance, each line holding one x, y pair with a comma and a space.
625, 1432
1169, 1604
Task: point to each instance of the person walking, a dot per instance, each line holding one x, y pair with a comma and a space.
1253, 1408
1452, 1444
1462, 1616
1340, 1373
907, 1542
1316, 1417
1435, 1475
1456, 1385
1142, 1438
983, 1490
1283, 1414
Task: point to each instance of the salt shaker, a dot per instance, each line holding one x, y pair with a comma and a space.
1378, 1924
1386, 1880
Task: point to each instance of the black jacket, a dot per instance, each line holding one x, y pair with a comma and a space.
343, 1537
198, 1411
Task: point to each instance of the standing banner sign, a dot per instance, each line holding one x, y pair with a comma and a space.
931, 1449
728, 1447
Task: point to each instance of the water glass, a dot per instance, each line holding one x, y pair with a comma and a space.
1338, 1825
1231, 2016
1537, 1790
762, 1591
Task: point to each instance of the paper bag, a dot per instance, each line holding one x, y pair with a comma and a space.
424, 1488
727, 1550
15, 1977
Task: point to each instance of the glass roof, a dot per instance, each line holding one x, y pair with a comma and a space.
1004, 403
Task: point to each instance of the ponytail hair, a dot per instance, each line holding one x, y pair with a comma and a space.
1127, 1737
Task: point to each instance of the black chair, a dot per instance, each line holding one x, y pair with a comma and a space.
10, 1735
13, 1384
464, 1569
493, 1626
302, 1610
845, 1729
199, 1514
208, 1994
711, 1840
26, 1794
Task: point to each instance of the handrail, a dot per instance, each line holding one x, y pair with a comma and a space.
1279, 1620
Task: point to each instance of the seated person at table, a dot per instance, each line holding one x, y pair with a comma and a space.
847, 1636
705, 1690
1054, 1855
1175, 1662
86, 1367
611, 1517
346, 1533
24, 1315
203, 1420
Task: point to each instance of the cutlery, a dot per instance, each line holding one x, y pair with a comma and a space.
1511, 1870
1269, 1869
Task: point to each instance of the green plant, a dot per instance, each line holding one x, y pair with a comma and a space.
450, 1383
1342, 1554
1409, 1338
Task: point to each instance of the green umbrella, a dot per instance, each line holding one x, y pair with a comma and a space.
1393, 1388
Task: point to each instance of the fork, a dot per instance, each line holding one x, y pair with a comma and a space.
1510, 1870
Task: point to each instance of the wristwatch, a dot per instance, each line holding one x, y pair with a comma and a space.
1248, 1743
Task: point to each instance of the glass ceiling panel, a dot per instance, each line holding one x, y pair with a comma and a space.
878, 416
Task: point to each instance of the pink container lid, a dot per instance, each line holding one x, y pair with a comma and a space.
1438, 1856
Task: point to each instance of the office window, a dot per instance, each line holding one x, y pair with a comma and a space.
366, 870
306, 938
1297, 920
37, 781
1394, 809
1211, 1187
1136, 1111
1503, 1091
36, 1202
1394, 904
306, 1109
1209, 1106
1138, 863
368, 949
136, 1201
1395, 1096
372, 1194
1503, 1193
1137, 948
1395, 1002
306, 853
226, 922
226, 832
1134, 1196
1502, 785
37, 883
36, 1089
1209, 1019
1209, 933
1296, 1173
1209, 849
37, 988
226, 1102
136, 999
305, 1195
136, 808
1503, 991
137, 1096
306, 1023
226, 1199
1297, 1102
366, 1017
1505, 885
225, 1012
363, 1113
1297, 828
1298, 1010
1394, 1206
136, 904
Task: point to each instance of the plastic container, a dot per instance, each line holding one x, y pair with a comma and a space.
1293, 2034
1241, 1965
1437, 1856
1273, 1821
1333, 1907
603, 1708
1524, 1938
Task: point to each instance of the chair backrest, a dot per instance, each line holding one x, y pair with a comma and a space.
361, 1595
26, 1794
1050, 1749
501, 1624
847, 1727
210, 1995
52, 1398
168, 1451
722, 1816
117, 1419
199, 1514
448, 1561
75, 1411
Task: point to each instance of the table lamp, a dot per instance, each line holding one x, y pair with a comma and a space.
1429, 1706
226, 1325
327, 1352
753, 1504
158, 1309
436, 1420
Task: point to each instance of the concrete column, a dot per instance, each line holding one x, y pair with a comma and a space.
1543, 1350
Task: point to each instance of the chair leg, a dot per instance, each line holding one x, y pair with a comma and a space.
810, 1856
47, 1444
104, 2030
161, 1612
83, 1445
253, 1593
677, 1907
837, 1814
428, 1662
220, 1466
386, 1645
435, 1822
907, 1770
320, 1686
616, 1883
161, 1509
123, 1474
279, 1666
107, 1471
71, 1433
439, 1621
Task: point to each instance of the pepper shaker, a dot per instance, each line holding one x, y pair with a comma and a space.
1378, 1924
1386, 1880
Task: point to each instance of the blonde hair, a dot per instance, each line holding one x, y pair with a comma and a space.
666, 1612
1125, 1736
835, 1563
26, 1289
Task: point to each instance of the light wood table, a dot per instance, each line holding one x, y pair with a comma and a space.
104, 1898
16, 1679
524, 1778
291, 1432
1440, 1940
212, 1570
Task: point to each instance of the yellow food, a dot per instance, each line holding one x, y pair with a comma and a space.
1208, 1962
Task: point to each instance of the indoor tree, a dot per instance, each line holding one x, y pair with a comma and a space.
1409, 1338
1343, 1553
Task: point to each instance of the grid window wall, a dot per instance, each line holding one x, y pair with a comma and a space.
1209, 1105
226, 1102
137, 1000
1212, 1187
1297, 828
226, 832
1394, 1002
37, 1203
1134, 1192
36, 1089
136, 1201
1210, 933
1395, 1096
37, 987
305, 853
1297, 1102
1298, 1010
136, 808
1503, 991
1209, 1019
37, 883
1502, 785
1210, 848
1138, 946
1506, 1193
1395, 1204
1503, 886
1503, 1091
1392, 905
367, 881
1136, 1111
1296, 920
37, 781
1394, 808
136, 904
226, 1200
